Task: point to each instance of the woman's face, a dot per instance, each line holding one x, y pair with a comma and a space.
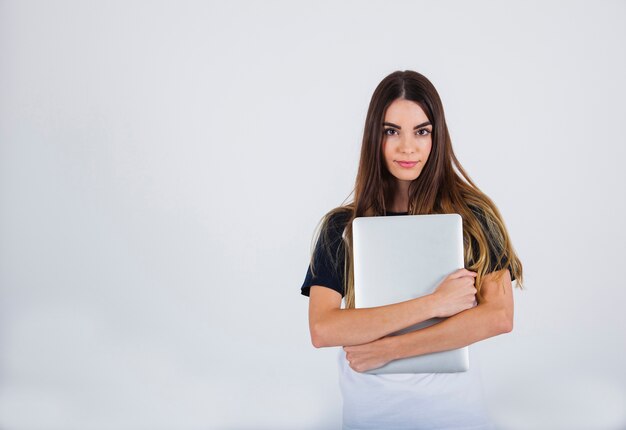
406, 140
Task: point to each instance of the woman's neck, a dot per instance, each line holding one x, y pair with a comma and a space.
400, 202
396, 210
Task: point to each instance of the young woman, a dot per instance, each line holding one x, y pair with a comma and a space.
406, 167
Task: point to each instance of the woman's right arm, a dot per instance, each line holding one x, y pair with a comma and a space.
332, 326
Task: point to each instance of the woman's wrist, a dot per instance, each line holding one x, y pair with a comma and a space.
431, 305
400, 346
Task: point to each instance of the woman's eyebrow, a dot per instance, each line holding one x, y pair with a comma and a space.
400, 128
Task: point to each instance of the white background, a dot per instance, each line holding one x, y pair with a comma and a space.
163, 166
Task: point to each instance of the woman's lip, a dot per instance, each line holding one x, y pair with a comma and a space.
407, 164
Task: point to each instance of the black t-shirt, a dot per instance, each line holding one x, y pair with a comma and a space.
330, 275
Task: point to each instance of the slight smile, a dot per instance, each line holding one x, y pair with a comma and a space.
407, 164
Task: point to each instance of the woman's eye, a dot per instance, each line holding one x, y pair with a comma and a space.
423, 134
421, 131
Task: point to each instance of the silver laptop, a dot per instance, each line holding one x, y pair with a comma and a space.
401, 257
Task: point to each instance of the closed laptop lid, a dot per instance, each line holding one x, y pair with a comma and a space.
398, 258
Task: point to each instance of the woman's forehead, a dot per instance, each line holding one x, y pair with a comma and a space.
405, 111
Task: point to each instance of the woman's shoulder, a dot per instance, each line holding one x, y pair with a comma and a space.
338, 217
477, 210
334, 223
483, 217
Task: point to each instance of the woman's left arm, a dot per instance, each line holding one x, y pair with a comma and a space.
491, 317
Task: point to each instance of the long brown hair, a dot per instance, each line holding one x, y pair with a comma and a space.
439, 189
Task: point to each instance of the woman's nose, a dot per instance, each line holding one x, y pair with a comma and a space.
407, 145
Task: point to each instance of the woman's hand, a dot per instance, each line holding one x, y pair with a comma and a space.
455, 293
370, 355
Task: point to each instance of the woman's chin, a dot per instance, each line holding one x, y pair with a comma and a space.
406, 177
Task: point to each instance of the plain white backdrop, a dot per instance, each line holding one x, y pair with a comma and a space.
163, 166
